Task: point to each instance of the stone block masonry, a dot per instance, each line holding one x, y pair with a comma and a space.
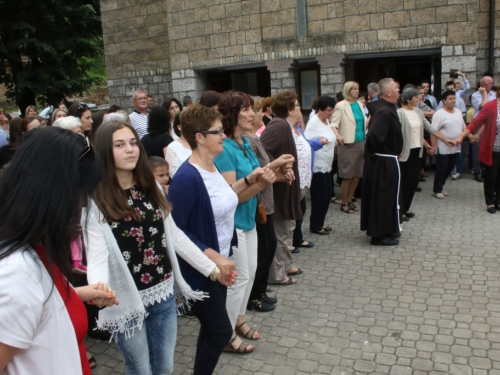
168, 44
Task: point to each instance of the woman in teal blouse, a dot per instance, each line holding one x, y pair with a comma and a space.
238, 162
349, 125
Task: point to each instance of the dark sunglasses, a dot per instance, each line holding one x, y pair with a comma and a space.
87, 149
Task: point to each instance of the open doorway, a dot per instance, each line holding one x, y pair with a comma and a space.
404, 66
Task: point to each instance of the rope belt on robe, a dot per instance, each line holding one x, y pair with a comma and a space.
399, 183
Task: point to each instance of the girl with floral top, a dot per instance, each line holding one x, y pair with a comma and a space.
132, 245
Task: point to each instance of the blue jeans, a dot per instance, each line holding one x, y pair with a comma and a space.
151, 349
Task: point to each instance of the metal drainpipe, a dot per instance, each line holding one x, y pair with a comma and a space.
491, 57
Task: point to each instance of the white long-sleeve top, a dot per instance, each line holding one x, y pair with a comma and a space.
105, 263
323, 158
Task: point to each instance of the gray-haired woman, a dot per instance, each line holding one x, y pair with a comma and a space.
413, 123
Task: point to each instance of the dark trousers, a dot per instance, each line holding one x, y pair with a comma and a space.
476, 162
444, 166
410, 174
321, 191
215, 329
297, 232
492, 181
266, 248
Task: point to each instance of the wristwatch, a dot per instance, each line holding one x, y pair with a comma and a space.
215, 274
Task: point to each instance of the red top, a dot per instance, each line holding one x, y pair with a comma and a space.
487, 116
76, 310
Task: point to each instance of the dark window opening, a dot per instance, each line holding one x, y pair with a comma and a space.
405, 67
253, 81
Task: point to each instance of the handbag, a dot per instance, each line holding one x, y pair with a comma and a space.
260, 215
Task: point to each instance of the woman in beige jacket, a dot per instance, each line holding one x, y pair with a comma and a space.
349, 125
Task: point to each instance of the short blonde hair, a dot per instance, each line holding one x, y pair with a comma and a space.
257, 103
348, 86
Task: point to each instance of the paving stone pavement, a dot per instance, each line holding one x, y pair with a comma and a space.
428, 306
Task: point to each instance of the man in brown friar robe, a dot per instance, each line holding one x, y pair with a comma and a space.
381, 177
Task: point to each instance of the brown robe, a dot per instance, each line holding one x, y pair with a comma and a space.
277, 140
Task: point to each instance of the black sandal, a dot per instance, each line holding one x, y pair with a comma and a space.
353, 207
346, 209
322, 232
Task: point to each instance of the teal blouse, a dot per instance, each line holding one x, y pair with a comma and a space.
233, 159
359, 117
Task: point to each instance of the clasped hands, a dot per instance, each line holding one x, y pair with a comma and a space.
228, 274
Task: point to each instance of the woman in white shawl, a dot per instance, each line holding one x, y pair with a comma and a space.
132, 242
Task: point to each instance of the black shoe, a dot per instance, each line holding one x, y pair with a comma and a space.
405, 218
304, 244
418, 189
387, 241
295, 251
268, 300
260, 305
479, 178
421, 179
395, 236
411, 215
491, 210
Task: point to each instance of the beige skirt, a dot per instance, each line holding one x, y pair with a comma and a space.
351, 159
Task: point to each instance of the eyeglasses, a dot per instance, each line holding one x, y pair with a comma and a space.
218, 131
297, 104
143, 98
87, 148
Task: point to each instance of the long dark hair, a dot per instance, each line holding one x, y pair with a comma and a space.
41, 192
109, 196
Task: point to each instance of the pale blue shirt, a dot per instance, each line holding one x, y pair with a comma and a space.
433, 101
476, 100
460, 93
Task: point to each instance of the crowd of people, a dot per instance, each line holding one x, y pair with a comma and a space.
196, 208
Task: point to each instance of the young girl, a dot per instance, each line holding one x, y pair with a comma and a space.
132, 243
159, 167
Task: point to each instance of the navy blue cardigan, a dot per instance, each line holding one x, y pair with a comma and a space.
192, 213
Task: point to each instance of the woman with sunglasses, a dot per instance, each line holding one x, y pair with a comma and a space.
238, 163
132, 244
42, 320
81, 111
204, 209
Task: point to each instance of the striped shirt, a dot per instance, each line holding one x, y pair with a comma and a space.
139, 122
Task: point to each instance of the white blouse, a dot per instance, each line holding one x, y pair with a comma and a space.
304, 159
224, 202
416, 125
175, 156
323, 158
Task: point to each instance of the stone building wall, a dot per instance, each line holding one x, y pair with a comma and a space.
168, 43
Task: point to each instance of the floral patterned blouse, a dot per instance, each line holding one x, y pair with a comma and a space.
143, 244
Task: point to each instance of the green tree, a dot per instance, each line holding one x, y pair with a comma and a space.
47, 48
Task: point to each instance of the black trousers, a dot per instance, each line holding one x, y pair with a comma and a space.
297, 232
492, 181
266, 248
321, 191
410, 174
444, 166
215, 329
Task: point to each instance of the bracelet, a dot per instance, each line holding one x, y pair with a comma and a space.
246, 181
215, 274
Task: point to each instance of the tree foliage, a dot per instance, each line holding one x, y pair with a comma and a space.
46, 48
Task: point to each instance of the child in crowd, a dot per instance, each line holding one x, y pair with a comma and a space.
159, 166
